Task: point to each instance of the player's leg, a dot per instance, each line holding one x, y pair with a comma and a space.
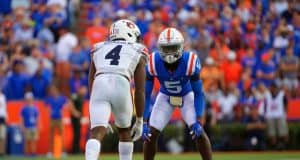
60, 128
204, 146
34, 141
122, 108
189, 115
99, 116
271, 130
99, 110
125, 147
51, 138
159, 118
150, 147
283, 132
26, 141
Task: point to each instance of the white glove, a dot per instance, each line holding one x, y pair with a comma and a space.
109, 129
137, 129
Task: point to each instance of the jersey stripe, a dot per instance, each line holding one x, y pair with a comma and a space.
191, 63
188, 64
153, 64
194, 63
150, 66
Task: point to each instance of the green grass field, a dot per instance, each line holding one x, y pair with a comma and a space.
192, 156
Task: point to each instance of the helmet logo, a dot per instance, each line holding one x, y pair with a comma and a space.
130, 25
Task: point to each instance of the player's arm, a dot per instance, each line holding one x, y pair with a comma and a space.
92, 72
196, 83
148, 91
199, 100
139, 99
139, 93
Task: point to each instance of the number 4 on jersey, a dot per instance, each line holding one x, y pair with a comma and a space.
114, 55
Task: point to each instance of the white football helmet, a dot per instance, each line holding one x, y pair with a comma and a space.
170, 44
125, 29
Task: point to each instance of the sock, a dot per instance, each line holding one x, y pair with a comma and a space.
92, 149
125, 150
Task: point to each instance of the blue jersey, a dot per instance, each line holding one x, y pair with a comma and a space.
56, 105
176, 83
30, 116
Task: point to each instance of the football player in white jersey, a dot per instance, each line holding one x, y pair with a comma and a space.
114, 63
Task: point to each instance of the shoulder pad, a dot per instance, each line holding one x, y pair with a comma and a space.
97, 46
141, 49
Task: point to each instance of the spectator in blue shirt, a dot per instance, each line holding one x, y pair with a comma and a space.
55, 19
38, 15
77, 80
39, 83
249, 61
266, 70
30, 116
141, 21
56, 102
16, 82
78, 59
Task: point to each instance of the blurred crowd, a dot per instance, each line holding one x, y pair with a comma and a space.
249, 49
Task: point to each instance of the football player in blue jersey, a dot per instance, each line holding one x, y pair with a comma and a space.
180, 86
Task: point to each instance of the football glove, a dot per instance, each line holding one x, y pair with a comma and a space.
196, 130
146, 132
136, 131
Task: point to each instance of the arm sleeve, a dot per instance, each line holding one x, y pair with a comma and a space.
148, 90
199, 100
196, 83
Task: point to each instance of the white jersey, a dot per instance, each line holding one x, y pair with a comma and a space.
275, 105
119, 57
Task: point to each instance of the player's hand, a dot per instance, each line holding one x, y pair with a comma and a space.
146, 132
196, 130
136, 131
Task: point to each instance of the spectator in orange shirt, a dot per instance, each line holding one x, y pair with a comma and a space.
219, 49
97, 32
232, 69
150, 37
211, 74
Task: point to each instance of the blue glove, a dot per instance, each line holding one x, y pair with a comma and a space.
146, 132
196, 130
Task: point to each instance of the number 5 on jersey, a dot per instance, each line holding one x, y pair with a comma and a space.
173, 86
114, 55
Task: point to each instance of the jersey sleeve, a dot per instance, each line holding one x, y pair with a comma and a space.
143, 50
193, 66
96, 47
151, 67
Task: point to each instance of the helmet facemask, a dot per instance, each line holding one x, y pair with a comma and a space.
171, 53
